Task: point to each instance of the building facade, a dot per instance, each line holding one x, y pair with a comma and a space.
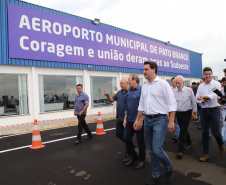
45, 53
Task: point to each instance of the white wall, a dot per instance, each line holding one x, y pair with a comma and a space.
33, 91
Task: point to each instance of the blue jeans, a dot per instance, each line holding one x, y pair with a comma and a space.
120, 132
177, 129
155, 131
128, 136
213, 116
223, 129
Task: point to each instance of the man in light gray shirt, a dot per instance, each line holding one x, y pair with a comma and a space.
185, 103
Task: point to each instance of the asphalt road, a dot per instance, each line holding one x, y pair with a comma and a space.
99, 161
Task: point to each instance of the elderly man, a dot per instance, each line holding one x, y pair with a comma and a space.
120, 97
185, 103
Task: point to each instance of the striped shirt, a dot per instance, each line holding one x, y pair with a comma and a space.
185, 99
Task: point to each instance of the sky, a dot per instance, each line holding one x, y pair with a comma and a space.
197, 25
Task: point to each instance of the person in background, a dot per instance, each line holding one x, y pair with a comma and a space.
115, 102
186, 102
80, 110
177, 128
189, 86
132, 103
223, 129
120, 96
157, 100
210, 113
194, 87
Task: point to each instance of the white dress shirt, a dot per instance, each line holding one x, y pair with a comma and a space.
185, 99
157, 98
206, 90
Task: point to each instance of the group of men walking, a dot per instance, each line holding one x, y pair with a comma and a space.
144, 111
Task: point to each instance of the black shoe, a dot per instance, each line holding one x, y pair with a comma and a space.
153, 180
140, 165
126, 158
179, 155
199, 127
89, 137
131, 160
175, 138
187, 147
169, 176
77, 141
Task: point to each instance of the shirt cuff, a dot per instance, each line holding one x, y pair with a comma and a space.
125, 112
172, 109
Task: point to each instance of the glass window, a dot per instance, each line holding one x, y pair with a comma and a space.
57, 92
141, 82
169, 81
13, 94
98, 85
187, 82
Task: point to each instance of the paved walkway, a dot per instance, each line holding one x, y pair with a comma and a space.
46, 125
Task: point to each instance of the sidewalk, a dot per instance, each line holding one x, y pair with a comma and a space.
47, 125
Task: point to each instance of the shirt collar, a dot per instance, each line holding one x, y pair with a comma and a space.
209, 83
80, 94
181, 89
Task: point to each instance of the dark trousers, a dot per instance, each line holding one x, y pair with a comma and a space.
128, 136
82, 124
183, 119
120, 132
210, 116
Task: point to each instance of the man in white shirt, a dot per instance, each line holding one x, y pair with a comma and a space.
210, 112
185, 103
156, 101
177, 128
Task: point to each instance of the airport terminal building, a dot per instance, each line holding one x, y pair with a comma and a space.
45, 53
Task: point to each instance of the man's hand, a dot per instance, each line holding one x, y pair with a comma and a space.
194, 116
124, 123
80, 113
138, 125
106, 93
171, 126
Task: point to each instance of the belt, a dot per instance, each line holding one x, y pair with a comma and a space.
211, 108
155, 115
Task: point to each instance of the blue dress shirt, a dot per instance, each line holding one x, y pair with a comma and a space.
80, 101
120, 97
132, 103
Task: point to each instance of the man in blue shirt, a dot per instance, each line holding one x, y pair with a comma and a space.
80, 110
132, 103
120, 97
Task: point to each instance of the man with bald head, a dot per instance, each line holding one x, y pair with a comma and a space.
185, 103
120, 97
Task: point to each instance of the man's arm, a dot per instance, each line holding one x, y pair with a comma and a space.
110, 99
171, 126
83, 110
74, 109
138, 124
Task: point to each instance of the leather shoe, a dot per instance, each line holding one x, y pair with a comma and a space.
222, 149
77, 141
169, 176
204, 158
140, 164
179, 155
126, 158
89, 137
153, 180
131, 160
